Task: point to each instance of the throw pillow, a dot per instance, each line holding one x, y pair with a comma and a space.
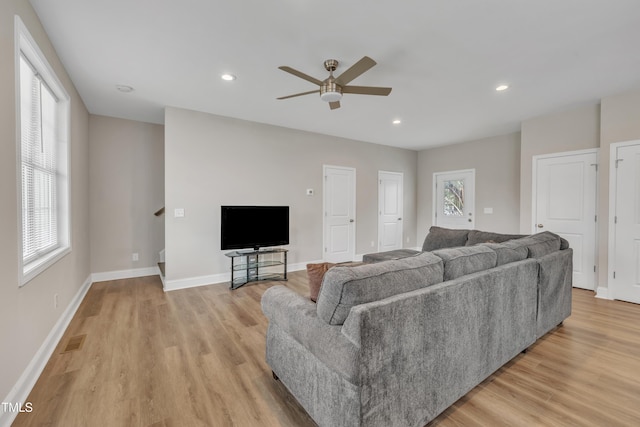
316, 274
345, 287
477, 236
510, 251
440, 238
540, 244
466, 260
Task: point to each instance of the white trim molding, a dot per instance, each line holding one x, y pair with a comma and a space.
125, 274
603, 293
20, 391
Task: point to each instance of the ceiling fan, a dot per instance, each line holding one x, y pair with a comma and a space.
332, 88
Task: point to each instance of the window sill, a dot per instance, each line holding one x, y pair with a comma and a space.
34, 268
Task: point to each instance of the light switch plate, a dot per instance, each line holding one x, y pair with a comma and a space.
178, 213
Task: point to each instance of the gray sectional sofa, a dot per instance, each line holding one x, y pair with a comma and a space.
396, 342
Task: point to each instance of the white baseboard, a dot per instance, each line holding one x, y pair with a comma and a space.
125, 274
192, 282
603, 293
20, 391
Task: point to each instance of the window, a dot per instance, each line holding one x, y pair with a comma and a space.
454, 198
43, 128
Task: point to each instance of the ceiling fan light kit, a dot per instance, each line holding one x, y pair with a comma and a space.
332, 88
330, 92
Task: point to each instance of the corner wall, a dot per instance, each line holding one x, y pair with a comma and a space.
620, 122
615, 119
27, 314
127, 187
212, 161
496, 161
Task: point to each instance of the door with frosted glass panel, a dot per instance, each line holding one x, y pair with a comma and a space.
454, 194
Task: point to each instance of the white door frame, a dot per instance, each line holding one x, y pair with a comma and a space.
434, 201
613, 187
324, 210
534, 199
401, 219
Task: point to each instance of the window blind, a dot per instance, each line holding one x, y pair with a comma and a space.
38, 161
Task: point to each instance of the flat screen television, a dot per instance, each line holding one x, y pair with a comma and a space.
253, 227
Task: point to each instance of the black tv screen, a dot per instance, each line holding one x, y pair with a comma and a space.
254, 226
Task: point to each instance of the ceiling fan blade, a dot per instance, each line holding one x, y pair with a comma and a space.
299, 94
301, 75
367, 90
334, 105
355, 70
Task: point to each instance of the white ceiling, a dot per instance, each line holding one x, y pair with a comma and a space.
443, 59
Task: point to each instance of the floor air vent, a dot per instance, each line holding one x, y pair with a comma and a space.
75, 343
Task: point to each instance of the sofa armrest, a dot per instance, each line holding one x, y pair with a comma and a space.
284, 306
295, 315
554, 290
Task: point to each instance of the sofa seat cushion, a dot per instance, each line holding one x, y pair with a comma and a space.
384, 256
477, 236
440, 238
539, 245
508, 252
466, 260
345, 287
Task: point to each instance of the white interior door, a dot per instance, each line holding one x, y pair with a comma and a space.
390, 208
454, 199
339, 213
565, 203
626, 263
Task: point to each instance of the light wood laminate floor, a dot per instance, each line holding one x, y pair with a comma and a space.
195, 357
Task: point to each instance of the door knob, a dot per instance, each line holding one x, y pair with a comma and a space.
399, 219
539, 225
470, 220
351, 220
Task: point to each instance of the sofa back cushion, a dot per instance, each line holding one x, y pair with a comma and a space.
477, 236
440, 238
509, 251
541, 244
345, 287
466, 260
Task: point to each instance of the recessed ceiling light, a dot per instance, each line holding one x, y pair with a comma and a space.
228, 77
502, 87
124, 88
396, 121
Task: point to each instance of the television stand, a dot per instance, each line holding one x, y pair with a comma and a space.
253, 265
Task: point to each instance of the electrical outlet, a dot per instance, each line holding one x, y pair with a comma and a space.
373, 244
134, 257
408, 239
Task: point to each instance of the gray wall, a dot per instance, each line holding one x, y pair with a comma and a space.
27, 314
496, 161
212, 161
127, 187
575, 129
